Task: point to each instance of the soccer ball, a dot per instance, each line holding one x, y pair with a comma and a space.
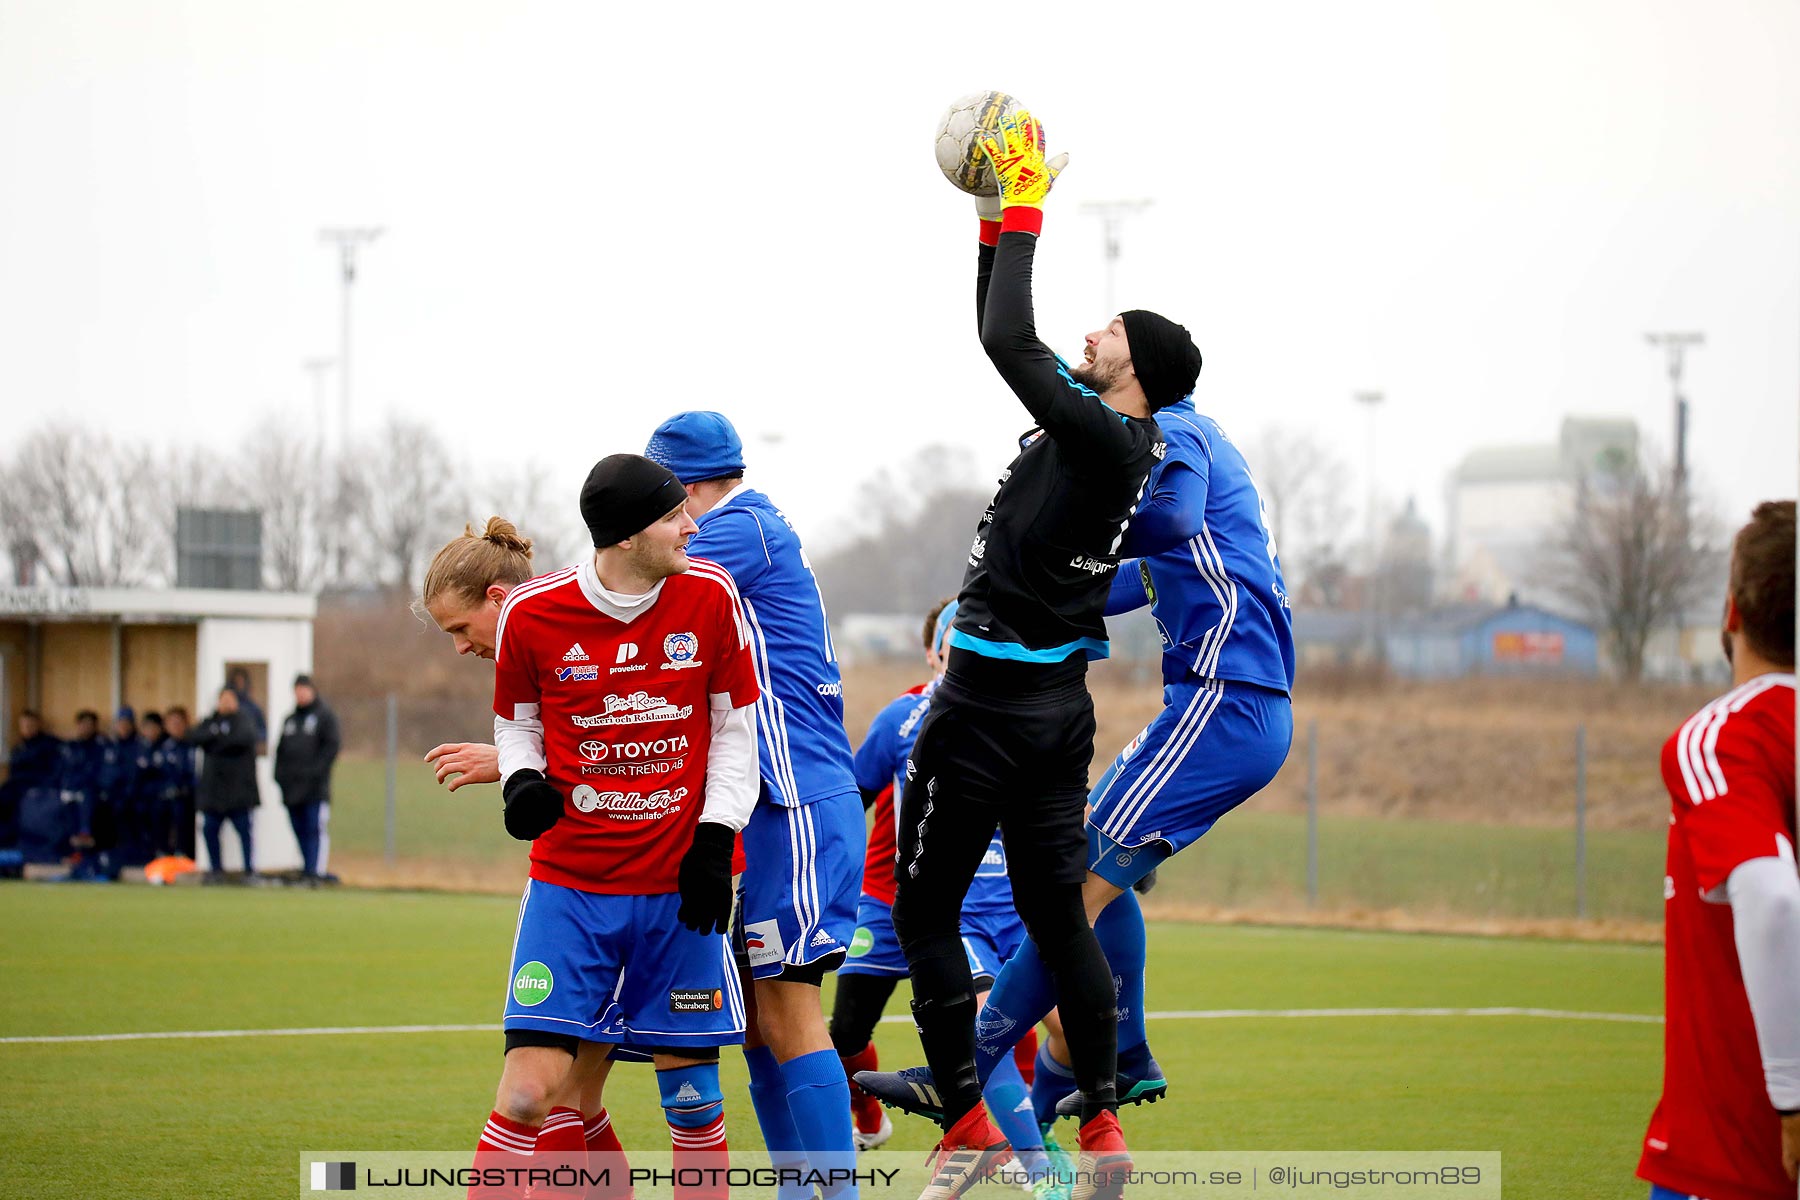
958, 157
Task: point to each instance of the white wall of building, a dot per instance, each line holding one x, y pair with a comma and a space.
287, 647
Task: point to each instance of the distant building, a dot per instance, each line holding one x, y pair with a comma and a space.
1505, 502
1487, 639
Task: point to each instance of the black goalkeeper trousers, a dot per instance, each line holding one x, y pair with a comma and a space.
1004, 744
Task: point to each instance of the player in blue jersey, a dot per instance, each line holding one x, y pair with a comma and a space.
803, 847
991, 930
1202, 558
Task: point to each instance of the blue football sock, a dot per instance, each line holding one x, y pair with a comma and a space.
818, 1096
1023, 993
1121, 933
1012, 1112
1050, 1082
768, 1096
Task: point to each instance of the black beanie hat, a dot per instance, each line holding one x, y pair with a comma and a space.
624, 494
1165, 357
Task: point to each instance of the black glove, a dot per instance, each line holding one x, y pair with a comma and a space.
532, 805
705, 880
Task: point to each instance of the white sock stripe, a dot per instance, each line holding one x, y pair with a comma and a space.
506, 1139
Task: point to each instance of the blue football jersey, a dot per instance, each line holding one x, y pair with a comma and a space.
800, 717
881, 760
1218, 598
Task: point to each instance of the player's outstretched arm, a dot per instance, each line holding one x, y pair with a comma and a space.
1130, 589
1068, 412
462, 763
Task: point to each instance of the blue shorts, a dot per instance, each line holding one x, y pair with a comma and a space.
607, 968
1659, 1192
874, 950
797, 897
1213, 746
988, 938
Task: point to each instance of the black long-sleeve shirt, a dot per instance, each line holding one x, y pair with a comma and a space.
1044, 554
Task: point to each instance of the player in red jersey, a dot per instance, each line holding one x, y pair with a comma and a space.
627, 743
466, 583
1728, 1124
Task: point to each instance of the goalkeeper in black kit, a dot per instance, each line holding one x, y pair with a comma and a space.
1009, 736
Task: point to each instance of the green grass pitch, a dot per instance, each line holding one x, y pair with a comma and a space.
1564, 1101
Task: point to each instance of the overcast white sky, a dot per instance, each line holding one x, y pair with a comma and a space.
598, 215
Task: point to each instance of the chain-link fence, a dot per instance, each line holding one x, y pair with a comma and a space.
1502, 802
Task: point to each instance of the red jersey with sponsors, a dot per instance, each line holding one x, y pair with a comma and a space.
1730, 774
626, 720
884, 841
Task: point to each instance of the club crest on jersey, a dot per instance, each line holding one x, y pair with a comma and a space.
575, 654
681, 650
577, 674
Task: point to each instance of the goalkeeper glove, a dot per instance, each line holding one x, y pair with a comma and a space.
1015, 152
988, 208
532, 804
705, 879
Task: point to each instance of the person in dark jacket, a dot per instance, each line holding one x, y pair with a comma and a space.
78, 781
239, 682
31, 767
303, 758
174, 821
117, 817
227, 791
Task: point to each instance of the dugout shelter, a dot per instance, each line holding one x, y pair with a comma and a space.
66, 649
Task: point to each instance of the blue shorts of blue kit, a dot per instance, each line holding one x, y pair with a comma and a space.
874, 949
607, 968
989, 939
1213, 746
797, 897
1659, 1192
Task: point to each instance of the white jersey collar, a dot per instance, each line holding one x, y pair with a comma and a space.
618, 606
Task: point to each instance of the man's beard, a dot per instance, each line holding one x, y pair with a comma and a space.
657, 562
1097, 378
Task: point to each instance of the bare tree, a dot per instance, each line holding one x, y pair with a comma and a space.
279, 472
1305, 487
85, 510
403, 485
546, 512
919, 521
1632, 556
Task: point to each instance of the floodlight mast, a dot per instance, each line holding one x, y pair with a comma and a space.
1674, 347
348, 240
1112, 214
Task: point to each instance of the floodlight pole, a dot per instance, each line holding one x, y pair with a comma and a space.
1372, 593
347, 239
1112, 214
319, 367
1674, 346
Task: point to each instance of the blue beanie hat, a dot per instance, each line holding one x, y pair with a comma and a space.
697, 446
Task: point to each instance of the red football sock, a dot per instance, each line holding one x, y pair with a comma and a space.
606, 1156
1025, 1055
561, 1144
704, 1148
505, 1143
865, 1110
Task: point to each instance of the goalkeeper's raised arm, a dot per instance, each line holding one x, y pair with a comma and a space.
1081, 407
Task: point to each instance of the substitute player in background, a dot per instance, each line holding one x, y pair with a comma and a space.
466, 585
1728, 1124
1211, 575
803, 847
631, 789
1010, 732
990, 929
